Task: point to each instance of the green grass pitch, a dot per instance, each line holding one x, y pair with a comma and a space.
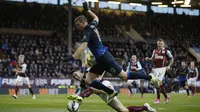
57, 103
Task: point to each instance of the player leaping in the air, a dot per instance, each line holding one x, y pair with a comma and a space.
104, 59
115, 103
159, 57
20, 71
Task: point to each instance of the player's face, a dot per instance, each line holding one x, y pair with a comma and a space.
80, 25
183, 64
77, 76
192, 64
160, 44
21, 59
134, 58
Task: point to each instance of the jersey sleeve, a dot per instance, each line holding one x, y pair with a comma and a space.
153, 54
169, 54
95, 23
139, 66
196, 70
128, 67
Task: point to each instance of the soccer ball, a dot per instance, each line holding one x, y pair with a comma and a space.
73, 106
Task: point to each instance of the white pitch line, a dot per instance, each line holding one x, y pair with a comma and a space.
191, 105
160, 108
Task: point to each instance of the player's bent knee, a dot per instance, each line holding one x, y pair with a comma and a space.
88, 81
123, 78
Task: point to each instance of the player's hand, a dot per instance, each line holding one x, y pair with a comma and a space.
135, 68
15, 70
85, 6
147, 58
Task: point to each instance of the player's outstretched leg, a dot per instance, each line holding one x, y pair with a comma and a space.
31, 91
150, 109
130, 90
139, 75
98, 85
16, 91
146, 107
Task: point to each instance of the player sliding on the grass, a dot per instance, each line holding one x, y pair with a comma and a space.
104, 59
115, 103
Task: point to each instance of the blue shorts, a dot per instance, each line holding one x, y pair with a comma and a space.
182, 83
106, 62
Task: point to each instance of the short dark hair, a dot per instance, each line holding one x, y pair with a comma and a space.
159, 40
81, 18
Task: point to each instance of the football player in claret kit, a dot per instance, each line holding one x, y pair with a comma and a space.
20, 71
115, 103
159, 57
135, 66
192, 77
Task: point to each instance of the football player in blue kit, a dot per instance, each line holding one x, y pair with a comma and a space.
104, 59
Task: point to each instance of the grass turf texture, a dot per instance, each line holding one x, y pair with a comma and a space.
57, 103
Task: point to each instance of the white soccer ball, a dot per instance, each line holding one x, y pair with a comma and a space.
73, 106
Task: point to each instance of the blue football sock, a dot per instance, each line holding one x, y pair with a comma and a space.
98, 85
138, 75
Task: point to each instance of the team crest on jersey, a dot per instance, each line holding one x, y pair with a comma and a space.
158, 57
84, 37
112, 71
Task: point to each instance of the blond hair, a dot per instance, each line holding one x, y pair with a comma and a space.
81, 18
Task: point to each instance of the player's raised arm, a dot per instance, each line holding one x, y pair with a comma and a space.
93, 15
